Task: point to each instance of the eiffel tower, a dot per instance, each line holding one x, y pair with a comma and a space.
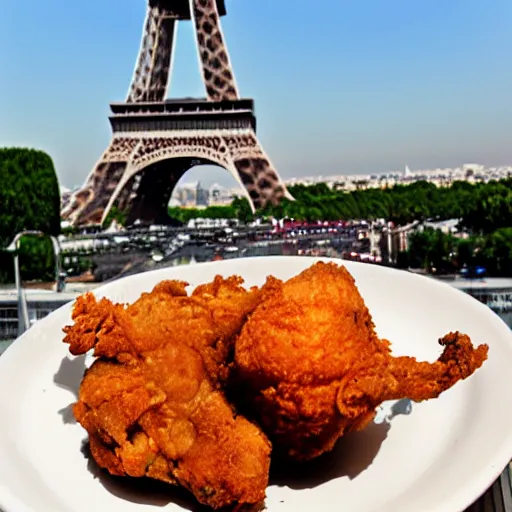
156, 140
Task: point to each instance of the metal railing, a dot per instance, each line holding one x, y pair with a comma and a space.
498, 498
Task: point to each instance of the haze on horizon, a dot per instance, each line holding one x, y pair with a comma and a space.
351, 87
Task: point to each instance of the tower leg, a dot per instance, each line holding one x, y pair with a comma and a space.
256, 171
87, 205
157, 182
151, 76
215, 64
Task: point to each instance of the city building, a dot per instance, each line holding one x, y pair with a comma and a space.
440, 177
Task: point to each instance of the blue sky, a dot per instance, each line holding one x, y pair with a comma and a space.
341, 86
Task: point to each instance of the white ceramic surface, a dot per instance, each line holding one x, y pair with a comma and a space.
437, 456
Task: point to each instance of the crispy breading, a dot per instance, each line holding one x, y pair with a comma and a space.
311, 368
152, 402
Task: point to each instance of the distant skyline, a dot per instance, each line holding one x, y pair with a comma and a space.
340, 87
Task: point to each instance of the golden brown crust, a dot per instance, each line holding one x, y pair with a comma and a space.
313, 367
151, 402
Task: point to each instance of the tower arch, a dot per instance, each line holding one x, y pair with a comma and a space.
147, 189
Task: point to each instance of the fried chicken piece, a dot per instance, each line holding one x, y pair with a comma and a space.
152, 402
311, 367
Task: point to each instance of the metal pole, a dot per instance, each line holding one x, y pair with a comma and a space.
24, 308
59, 285
23, 318
390, 244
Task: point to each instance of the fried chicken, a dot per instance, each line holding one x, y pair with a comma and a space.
311, 368
152, 402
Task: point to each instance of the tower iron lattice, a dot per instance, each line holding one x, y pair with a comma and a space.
156, 140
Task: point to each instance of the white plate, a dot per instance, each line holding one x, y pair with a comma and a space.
439, 458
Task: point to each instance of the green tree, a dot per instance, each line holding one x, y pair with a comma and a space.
115, 214
496, 252
242, 210
432, 249
490, 209
29, 200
